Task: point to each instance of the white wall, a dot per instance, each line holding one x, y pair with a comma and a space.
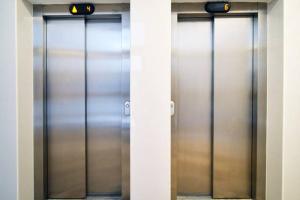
8, 103
283, 142
275, 101
25, 99
16, 102
291, 101
150, 97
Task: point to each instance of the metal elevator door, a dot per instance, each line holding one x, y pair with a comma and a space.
193, 102
212, 87
84, 106
65, 108
104, 106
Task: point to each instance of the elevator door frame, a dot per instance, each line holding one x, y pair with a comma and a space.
40, 15
258, 12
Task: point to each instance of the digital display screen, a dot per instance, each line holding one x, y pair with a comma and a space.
217, 7
82, 9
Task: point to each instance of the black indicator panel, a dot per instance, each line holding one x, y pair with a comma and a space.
217, 7
82, 9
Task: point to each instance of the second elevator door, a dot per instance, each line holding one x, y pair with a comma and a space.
192, 95
212, 77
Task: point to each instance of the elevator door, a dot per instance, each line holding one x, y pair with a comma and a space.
233, 73
104, 106
65, 104
84, 106
193, 102
212, 90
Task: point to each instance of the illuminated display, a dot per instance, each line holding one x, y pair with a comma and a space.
82, 9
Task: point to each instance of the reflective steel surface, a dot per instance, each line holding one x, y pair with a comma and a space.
212, 87
68, 44
87, 89
104, 106
40, 156
233, 106
125, 84
66, 108
192, 98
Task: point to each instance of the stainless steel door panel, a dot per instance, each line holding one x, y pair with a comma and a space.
125, 84
192, 97
66, 108
104, 106
233, 63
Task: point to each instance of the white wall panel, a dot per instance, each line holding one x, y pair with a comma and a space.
291, 100
275, 101
150, 98
25, 100
8, 101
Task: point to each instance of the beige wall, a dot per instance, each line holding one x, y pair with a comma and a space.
275, 101
283, 154
291, 101
25, 99
8, 101
150, 97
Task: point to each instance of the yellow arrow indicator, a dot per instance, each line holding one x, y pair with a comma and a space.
74, 9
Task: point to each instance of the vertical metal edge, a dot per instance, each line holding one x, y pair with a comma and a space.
212, 102
260, 193
45, 148
254, 107
125, 90
40, 154
85, 104
174, 118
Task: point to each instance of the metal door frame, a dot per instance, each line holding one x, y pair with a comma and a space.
259, 12
40, 15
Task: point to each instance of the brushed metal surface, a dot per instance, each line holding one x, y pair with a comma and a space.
233, 73
258, 10
56, 12
40, 158
174, 140
66, 108
125, 84
260, 52
192, 96
104, 106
